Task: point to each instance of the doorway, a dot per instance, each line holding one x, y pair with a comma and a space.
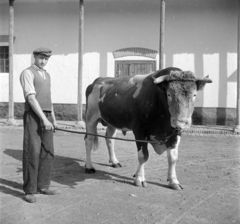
129, 68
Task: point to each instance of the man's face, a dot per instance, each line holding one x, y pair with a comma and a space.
41, 60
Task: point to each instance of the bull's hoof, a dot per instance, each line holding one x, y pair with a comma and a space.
90, 170
139, 183
144, 183
175, 186
117, 165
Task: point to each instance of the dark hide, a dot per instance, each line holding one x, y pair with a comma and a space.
151, 105
146, 114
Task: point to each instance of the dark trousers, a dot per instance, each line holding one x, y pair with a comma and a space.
38, 153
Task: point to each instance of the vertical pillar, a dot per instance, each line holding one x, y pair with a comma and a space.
161, 39
11, 120
237, 127
80, 62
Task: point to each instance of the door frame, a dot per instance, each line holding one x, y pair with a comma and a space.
133, 62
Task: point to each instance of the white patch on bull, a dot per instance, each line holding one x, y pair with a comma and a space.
131, 81
139, 87
140, 154
138, 79
93, 110
140, 178
102, 98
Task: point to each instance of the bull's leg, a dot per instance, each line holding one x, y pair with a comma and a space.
172, 161
142, 159
111, 132
91, 142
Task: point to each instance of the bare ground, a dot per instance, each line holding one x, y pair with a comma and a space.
208, 169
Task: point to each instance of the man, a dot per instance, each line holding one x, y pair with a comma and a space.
39, 122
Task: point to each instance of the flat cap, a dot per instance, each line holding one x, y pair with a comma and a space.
44, 51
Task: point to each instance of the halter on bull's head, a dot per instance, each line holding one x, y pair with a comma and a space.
181, 89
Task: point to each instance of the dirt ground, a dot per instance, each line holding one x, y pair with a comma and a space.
208, 169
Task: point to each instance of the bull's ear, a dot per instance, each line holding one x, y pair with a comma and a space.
202, 82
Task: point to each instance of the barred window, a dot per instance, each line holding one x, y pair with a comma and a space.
4, 59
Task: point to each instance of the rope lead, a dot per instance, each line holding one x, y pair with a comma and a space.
175, 132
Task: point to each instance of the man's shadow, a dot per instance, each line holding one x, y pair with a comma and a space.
67, 171
5, 188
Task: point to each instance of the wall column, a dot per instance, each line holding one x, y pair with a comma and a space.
237, 127
11, 120
161, 39
80, 63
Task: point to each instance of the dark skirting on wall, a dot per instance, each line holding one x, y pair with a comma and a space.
68, 112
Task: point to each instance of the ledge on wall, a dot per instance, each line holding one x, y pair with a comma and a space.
214, 116
68, 112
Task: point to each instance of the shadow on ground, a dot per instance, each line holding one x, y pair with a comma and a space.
68, 171
11, 187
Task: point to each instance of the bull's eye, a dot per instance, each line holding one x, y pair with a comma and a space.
194, 95
168, 95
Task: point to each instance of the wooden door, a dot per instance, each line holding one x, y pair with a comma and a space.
128, 68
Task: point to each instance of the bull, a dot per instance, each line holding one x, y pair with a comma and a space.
155, 107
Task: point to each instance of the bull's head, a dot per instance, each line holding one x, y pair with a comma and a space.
181, 89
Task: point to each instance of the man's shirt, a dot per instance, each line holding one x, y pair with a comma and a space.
27, 80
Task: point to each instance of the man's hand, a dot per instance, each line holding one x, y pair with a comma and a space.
55, 125
48, 125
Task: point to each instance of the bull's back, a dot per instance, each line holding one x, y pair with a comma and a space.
108, 98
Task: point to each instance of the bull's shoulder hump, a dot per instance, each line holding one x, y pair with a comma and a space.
166, 71
138, 78
103, 80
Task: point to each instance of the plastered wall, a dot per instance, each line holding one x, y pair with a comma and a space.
199, 35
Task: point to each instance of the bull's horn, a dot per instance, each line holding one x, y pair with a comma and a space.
206, 79
161, 79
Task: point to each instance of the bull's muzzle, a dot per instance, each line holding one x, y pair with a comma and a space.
181, 122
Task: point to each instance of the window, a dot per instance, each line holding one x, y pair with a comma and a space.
136, 67
4, 59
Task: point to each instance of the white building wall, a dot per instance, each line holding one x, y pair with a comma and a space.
211, 68
184, 61
200, 37
64, 76
231, 84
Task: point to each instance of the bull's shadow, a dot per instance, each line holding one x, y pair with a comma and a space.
70, 171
